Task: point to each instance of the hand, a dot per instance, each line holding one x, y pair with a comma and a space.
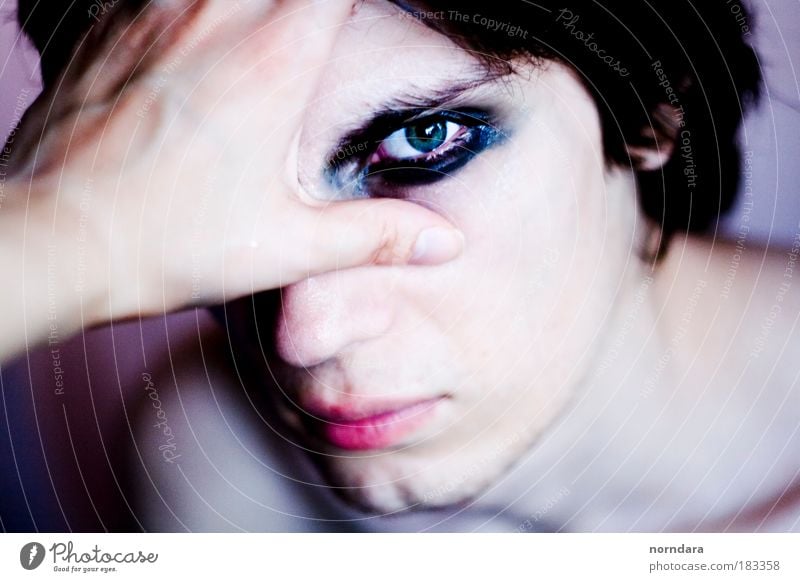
163, 162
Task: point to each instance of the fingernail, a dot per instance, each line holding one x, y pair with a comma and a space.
437, 245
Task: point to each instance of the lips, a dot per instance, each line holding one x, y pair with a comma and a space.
389, 427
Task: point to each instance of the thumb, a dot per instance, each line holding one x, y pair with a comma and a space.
376, 232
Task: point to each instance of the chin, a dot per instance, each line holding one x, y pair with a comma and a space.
396, 483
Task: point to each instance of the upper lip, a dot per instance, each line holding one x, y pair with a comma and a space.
365, 408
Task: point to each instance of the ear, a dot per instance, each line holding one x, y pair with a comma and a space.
658, 139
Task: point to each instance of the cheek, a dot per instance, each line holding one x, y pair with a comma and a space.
535, 223
530, 219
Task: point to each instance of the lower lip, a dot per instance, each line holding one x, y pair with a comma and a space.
380, 431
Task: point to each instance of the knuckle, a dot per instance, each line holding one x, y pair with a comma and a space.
389, 250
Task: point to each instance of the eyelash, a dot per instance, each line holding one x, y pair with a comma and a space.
369, 171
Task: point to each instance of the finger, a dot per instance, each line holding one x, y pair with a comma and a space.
307, 241
126, 42
289, 46
307, 27
373, 232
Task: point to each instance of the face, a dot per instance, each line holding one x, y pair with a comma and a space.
418, 386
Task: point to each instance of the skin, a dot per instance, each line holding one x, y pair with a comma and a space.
705, 443
141, 182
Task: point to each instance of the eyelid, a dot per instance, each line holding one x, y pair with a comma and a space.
450, 96
359, 177
368, 138
478, 86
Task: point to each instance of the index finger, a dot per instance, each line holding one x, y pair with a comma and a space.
180, 34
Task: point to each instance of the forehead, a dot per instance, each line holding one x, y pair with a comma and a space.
382, 52
381, 41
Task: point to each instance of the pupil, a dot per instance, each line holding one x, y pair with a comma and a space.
428, 137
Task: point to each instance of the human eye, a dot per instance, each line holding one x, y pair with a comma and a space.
422, 140
420, 148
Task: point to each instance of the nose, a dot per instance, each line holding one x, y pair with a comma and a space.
322, 316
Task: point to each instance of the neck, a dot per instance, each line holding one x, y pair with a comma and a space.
658, 437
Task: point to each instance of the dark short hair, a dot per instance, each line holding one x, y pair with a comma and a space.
660, 72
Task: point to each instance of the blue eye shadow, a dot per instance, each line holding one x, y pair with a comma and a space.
348, 168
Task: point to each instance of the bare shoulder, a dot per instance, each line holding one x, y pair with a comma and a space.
738, 298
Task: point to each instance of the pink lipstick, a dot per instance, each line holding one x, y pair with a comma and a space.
378, 430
